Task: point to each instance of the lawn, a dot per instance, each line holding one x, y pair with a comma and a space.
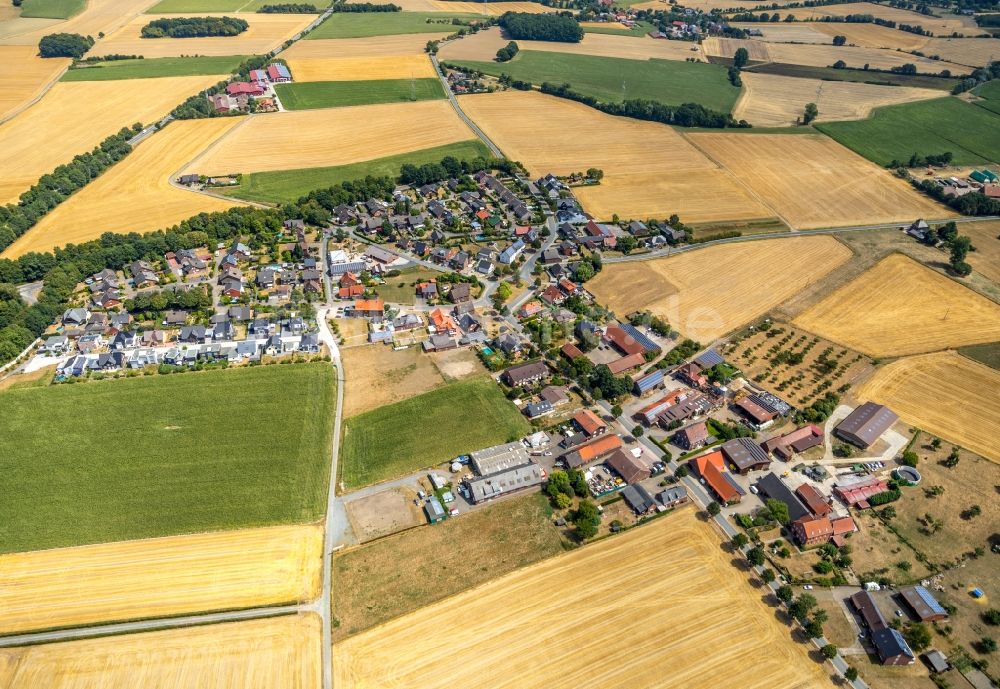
285, 186
970, 133
52, 9
399, 574
336, 94
613, 79
163, 455
156, 67
991, 92
361, 24
176, 6
425, 430
401, 289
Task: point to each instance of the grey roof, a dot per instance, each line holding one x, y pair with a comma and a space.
774, 487
671, 495
708, 358
638, 498
516, 478
889, 643
867, 423
433, 508
499, 458
938, 661
744, 453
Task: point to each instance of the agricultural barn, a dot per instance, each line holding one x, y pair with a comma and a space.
709, 358
243, 88
571, 351
278, 73
773, 487
590, 423
890, 645
433, 510
648, 382
745, 455
866, 424
592, 450
712, 468
628, 467
628, 340
855, 493
758, 417
626, 363
786, 446
517, 478
499, 458
638, 498
525, 374
652, 410
813, 500
923, 604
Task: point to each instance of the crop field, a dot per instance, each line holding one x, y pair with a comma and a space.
278, 652
26, 76
356, 59
289, 185
786, 32
872, 36
986, 239
52, 9
266, 32
361, 24
156, 67
826, 55
611, 79
727, 47
160, 577
937, 25
709, 292
483, 46
174, 464
338, 94
945, 84
945, 394
896, 132
99, 16
770, 100
133, 196
187, 6
427, 429
636, 184
339, 136
974, 52
902, 307
989, 96
494, 9
73, 118
503, 629
810, 181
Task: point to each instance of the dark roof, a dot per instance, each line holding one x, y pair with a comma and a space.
923, 603
774, 487
889, 643
627, 466
638, 498
865, 604
639, 337
526, 371
744, 453
708, 359
868, 422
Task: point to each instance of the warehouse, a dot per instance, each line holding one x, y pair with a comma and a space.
499, 458
746, 455
866, 424
486, 488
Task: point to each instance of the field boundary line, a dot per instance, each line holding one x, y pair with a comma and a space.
41, 93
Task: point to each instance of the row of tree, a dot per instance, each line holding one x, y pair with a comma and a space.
155, 302
289, 8
978, 77
194, 27
450, 167
365, 7
560, 27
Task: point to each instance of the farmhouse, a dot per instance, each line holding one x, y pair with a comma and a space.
866, 424
690, 405
890, 645
691, 437
516, 478
590, 423
592, 450
787, 446
758, 417
923, 604
671, 497
525, 374
691, 374
628, 467
745, 455
811, 531
554, 395
711, 467
499, 458
651, 411
813, 500
373, 309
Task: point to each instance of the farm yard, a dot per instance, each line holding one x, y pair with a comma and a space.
945, 394
339, 136
500, 632
425, 430
810, 181
386, 512
708, 293
901, 307
338, 94
25, 76
160, 577
278, 652
379, 581
134, 195
199, 468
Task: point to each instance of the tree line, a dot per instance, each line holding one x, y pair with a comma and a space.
450, 167
289, 8
978, 77
365, 7
562, 28
194, 27
64, 45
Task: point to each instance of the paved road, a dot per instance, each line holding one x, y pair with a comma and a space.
461, 113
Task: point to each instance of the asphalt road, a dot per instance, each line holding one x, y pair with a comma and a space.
461, 113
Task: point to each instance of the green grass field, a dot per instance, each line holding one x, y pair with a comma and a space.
425, 430
286, 186
640, 29
161, 455
361, 24
991, 92
972, 134
402, 288
52, 9
988, 354
336, 94
157, 67
612, 79
177, 6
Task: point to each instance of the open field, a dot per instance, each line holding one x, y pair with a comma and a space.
266, 32
986, 239
179, 460
483, 46
160, 577
550, 134
99, 16
611, 79
383, 513
338, 94
156, 67
710, 292
945, 84
703, 5
727, 47
872, 36
988, 354
360, 24
52, 9
945, 394
826, 55
494, 9
73, 118
421, 431
974, 52
340, 136
503, 631
400, 574
770, 100
902, 307
289, 185
26, 76
786, 32
280, 652
133, 196
810, 181
937, 25
402, 288
186, 6
355, 59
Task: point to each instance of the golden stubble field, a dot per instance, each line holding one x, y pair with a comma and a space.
945, 394
135, 195
25, 76
937, 25
812, 181
986, 238
318, 138
97, 17
901, 307
709, 292
159, 577
357, 59
708, 5
74, 117
642, 609
550, 134
280, 652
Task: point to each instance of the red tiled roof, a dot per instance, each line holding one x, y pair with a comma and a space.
571, 351
369, 305
622, 340
599, 447
589, 422
710, 467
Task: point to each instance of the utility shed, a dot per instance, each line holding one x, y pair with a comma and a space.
866, 424
923, 604
433, 510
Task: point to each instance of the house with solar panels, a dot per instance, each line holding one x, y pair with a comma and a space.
889, 644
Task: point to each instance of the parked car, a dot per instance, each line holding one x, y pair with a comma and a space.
453, 511
808, 587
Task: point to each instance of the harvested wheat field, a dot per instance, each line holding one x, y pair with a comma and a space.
709, 292
770, 100
266, 32
944, 394
135, 195
318, 138
902, 307
708, 5
785, 32
74, 117
99, 16
258, 654
727, 47
159, 577
872, 36
661, 617
410, 5
826, 55
25, 76
936, 25
986, 238
494, 9
812, 181
974, 52
550, 134
484, 45
357, 59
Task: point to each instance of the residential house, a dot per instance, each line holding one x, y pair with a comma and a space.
525, 374
692, 437
590, 423
638, 499
630, 468
373, 309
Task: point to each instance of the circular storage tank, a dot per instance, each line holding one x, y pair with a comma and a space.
908, 474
